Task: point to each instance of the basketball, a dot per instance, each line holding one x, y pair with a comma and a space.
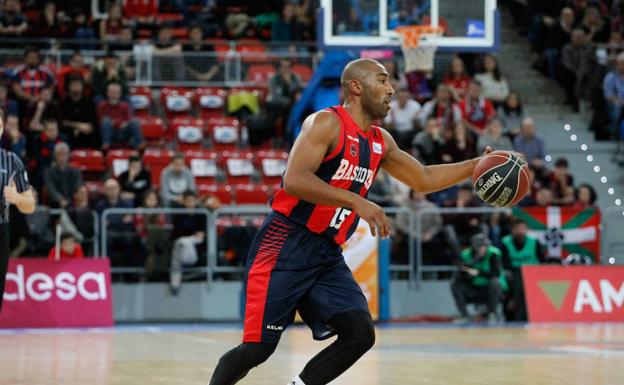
501, 178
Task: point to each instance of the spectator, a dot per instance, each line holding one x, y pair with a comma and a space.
116, 122
157, 238
403, 117
493, 84
79, 116
141, 12
398, 79
557, 34
175, 179
49, 25
14, 141
135, 181
494, 138
189, 234
562, 183
76, 68
577, 58
519, 249
69, 249
613, 86
460, 145
199, 67
511, 114
46, 108
585, 196
530, 144
427, 145
596, 28
107, 71
124, 47
167, 62
543, 197
9, 106
477, 279
443, 108
283, 89
387, 191
288, 28
30, 78
61, 180
110, 27
476, 110
43, 149
463, 226
12, 22
79, 220
82, 29
457, 80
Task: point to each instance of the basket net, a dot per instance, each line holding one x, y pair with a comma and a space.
417, 56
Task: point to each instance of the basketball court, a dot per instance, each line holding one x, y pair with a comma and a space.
578, 354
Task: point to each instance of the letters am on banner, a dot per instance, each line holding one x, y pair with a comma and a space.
73, 293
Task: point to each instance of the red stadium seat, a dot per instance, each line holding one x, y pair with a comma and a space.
204, 165
239, 166
221, 191
155, 160
176, 101
251, 194
90, 162
189, 132
251, 51
224, 132
272, 164
117, 160
210, 102
260, 73
169, 18
153, 129
303, 71
141, 100
222, 48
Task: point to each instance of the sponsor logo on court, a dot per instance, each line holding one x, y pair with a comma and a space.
348, 171
491, 181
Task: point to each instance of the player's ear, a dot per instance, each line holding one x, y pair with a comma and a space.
355, 87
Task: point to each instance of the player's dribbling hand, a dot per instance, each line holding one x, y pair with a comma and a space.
375, 216
487, 150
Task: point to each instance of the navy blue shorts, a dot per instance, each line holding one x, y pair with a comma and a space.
289, 268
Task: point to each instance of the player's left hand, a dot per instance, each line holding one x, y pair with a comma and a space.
10, 193
487, 150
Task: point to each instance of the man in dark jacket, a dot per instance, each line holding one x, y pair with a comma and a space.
60, 179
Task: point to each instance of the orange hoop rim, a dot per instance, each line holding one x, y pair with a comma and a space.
411, 33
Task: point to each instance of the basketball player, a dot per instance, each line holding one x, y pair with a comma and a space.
295, 261
15, 191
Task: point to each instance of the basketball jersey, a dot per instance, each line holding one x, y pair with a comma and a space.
352, 166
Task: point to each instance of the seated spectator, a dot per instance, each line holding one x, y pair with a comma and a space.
46, 108
530, 144
463, 226
167, 63
108, 71
79, 116
61, 180
544, 197
596, 28
613, 86
43, 149
443, 108
135, 181
15, 140
125, 50
493, 84
210, 201
82, 29
288, 29
397, 78
284, 87
460, 145
402, 119
494, 138
189, 233
457, 80
116, 122
585, 196
477, 279
49, 25
476, 110
519, 249
577, 59
199, 67
157, 238
556, 34
427, 144
69, 249
110, 27
7, 104
562, 183
12, 22
142, 12
79, 220
175, 179
30, 78
77, 68
511, 114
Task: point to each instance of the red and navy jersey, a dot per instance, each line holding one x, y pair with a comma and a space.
352, 166
32, 81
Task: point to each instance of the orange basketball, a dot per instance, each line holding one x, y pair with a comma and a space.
501, 178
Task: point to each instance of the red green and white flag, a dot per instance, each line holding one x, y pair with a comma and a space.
564, 230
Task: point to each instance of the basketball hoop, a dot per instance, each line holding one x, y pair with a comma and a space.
418, 56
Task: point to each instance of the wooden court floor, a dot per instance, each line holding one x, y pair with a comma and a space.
423, 355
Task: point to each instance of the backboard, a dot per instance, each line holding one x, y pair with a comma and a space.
470, 25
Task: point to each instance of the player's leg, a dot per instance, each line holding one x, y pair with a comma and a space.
4, 259
235, 364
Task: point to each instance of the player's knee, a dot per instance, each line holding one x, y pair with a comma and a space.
363, 337
249, 355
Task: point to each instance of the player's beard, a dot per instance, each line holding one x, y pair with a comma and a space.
373, 107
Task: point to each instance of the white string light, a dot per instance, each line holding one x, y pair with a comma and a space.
590, 158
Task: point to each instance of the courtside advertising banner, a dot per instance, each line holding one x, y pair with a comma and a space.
574, 293
41, 293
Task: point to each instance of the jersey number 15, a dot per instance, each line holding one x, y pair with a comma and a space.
339, 217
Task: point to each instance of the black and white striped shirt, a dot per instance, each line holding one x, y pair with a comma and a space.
11, 168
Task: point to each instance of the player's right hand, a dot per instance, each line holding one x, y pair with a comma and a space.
374, 215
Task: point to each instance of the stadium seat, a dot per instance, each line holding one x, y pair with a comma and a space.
222, 48
260, 73
251, 193
204, 165
221, 191
117, 160
189, 132
89, 162
210, 102
153, 129
176, 101
272, 164
141, 100
238, 165
303, 71
251, 51
224, 132
155, 160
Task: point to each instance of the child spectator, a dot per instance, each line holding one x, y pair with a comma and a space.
69, 249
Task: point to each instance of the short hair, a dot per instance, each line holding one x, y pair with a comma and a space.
75, 78
67, 235
134, 158
61, 146
30, 49
518, 221
562, 162
188, 193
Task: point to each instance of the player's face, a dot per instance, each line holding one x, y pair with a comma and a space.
377, 94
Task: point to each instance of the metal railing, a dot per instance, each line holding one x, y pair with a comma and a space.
96, 234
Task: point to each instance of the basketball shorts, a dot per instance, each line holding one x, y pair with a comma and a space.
291, 269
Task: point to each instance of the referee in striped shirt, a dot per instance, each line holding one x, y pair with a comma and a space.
15, 191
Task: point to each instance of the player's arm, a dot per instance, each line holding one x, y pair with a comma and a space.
421, 178
319, 135
19, 192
